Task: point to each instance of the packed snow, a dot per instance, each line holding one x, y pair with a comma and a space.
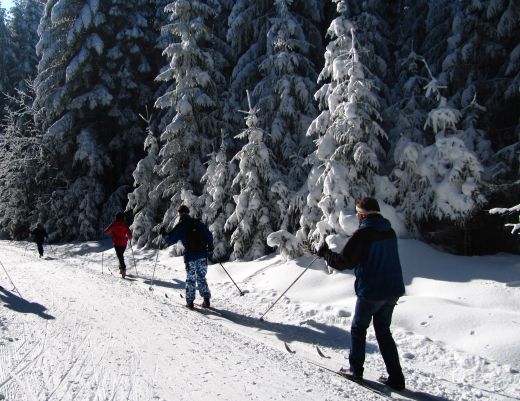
72, 329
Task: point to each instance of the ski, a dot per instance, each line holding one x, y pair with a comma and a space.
374, 387
320, 353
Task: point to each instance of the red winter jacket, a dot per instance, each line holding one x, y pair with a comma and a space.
120, 233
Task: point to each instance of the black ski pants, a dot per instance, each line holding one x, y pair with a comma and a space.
120, 251
39, 244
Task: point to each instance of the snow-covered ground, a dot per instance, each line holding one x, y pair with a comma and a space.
77, 331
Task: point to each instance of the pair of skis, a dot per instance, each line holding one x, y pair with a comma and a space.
376, 388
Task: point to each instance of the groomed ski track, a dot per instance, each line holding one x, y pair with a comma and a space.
77, 334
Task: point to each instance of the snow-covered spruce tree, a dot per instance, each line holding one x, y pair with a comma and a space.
68, 99
132, 62
144, 201
247, 33
410, 31
254, 215
195, 67
23, 24
438, 28
8, 61
372, 20
350, 140
20, 186
87, 103
503, 105
470, 62
217, 201
440, 181
284, 97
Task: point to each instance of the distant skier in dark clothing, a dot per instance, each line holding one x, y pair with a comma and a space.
372, 253
120, 236
198, 245
39, 234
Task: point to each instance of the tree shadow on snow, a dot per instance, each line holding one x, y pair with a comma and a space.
76, 248
176, 284
17, 304
310, 332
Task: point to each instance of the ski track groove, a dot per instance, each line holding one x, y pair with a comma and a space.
72, 365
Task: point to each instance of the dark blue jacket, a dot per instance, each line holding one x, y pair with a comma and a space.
179, 234
372, 253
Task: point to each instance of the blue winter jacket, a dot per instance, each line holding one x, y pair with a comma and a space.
179, 234
372, 253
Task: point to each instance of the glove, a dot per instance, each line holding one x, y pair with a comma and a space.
323, 249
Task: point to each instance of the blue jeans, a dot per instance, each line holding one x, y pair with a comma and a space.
196, 273
381, 311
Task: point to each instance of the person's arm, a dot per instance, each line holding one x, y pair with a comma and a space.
128, 233
174, 236
352, 254
108, 230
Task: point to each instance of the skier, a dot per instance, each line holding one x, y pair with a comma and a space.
198, 246
372, 253
39, 234
120, 236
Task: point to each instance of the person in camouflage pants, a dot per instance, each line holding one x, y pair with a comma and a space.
198, 245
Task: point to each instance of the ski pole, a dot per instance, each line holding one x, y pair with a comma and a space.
9, 277
102, 255
297, 278
239, 290
133, 257
153, 275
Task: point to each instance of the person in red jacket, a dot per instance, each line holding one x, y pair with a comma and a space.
120, 236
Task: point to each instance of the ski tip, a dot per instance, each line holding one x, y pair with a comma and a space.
320, 353
166, 295
288, 349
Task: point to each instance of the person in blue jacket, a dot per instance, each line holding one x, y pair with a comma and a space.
372, 253
197, 241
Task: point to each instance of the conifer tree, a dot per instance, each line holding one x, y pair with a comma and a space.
195, 67
442, 180
20, 186
350, 139
284, 96
8, 61
217, 201
144, 201
23, 25
253, 218
87, 97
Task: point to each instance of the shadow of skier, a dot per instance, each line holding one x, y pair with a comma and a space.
311, 332
17, 304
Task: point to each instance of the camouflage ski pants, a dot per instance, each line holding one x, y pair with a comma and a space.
196, 272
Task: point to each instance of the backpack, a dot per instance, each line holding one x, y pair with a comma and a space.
195, 236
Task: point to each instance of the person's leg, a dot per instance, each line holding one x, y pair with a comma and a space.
40, 248
120, 251
201, 268
382, 321
358, 332
190, 282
